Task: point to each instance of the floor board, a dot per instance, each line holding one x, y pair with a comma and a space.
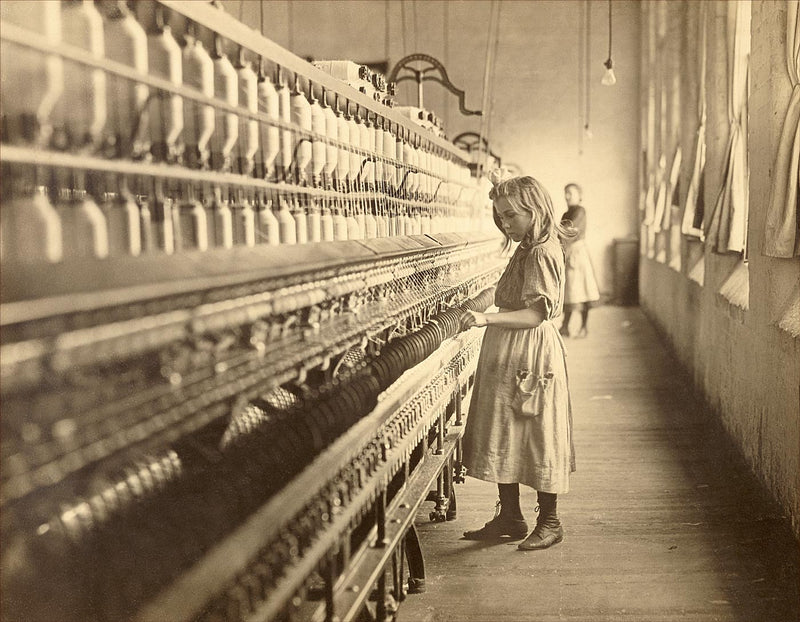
663, 521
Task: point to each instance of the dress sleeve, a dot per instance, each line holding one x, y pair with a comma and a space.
579, 222
542, 275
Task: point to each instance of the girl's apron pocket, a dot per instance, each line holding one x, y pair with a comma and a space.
532, 393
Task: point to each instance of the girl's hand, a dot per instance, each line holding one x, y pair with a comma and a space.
472, 318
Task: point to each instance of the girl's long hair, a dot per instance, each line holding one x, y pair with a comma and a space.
527, 194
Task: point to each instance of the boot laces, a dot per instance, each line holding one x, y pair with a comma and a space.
496, 510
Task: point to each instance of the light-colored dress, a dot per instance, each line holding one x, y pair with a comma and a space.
581, 283
519, 427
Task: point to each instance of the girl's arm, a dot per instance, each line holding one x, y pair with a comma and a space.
580, 220
530, 317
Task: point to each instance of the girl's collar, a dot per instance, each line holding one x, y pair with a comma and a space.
527, 243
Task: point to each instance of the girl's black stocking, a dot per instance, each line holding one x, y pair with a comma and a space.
509, 501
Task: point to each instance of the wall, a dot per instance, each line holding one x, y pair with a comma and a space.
746, 367
536, 120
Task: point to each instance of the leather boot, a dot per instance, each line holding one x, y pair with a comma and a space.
509, 501
498, 527
548, 530
508, 519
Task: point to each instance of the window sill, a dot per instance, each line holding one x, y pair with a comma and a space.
736, 288
698, 271
789, 321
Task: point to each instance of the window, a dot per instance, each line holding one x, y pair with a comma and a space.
782, 238
694, 208
726, 230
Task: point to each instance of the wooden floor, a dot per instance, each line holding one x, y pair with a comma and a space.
663, 522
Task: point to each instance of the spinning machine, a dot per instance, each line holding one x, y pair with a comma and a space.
231, 364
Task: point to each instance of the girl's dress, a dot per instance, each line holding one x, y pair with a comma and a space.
519, 427
581, 283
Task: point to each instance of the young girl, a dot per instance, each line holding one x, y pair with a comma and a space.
580, 291
519, 429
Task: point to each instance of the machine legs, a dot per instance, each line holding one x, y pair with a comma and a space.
416, 563
444, 496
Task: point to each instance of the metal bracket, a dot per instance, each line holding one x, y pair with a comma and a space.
472, 141
419, 76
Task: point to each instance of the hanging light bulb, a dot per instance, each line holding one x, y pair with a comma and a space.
609, 78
